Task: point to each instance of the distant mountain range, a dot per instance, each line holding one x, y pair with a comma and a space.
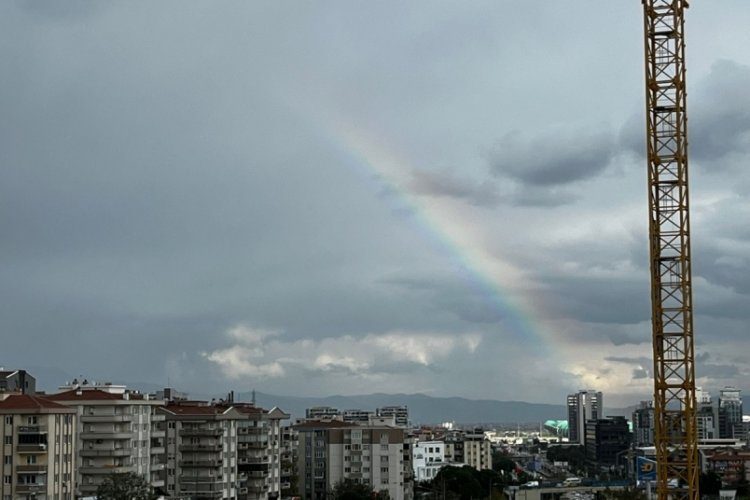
423, 409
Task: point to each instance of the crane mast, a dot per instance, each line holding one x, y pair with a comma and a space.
669, 237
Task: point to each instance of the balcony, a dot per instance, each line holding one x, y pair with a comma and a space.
201, 463
32, 469
106, 469
31, 489
158, 417
158, 450
201, 479
253, 460
106, 452
32, 448
189, 492
158, 433
157, 467
32, 429
253, 445
93, 419
197, 431
106, 435
206, 448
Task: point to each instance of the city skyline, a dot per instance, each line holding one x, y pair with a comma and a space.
355, 198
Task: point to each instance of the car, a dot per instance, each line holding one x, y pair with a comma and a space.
530, 484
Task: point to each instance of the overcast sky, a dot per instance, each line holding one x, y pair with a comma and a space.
342, 197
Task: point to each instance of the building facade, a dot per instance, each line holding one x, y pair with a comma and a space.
223, 451
643, 424
729, 411
17, 381
331, 451
583, 406
607, 440
428, 459
38, 439
117, 431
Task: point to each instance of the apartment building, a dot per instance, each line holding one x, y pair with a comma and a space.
38, 439
428, 459
477, 450
331, 451
289, 450
223, 450
399, 413
117, 431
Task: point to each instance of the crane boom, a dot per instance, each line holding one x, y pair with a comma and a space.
669, 234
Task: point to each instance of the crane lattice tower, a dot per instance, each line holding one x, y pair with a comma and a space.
669, 233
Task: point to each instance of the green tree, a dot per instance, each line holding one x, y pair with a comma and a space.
124, 486
460, 482
349, 490
502, 462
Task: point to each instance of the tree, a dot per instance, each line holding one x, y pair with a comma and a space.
124, 486
349, 490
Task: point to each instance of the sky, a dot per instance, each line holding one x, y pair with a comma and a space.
349, 197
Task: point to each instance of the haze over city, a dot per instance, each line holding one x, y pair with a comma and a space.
357, 197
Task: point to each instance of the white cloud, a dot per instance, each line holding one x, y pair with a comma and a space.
262, 354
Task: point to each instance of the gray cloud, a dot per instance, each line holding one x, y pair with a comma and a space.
553, 158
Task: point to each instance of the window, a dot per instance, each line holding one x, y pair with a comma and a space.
31, 420
8, 439
7, 479
9, 420
30, 459
8, 460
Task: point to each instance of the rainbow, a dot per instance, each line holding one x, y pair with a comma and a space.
449, 233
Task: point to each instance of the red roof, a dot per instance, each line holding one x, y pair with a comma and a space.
179, 409
324, 424
90, 395
28, 402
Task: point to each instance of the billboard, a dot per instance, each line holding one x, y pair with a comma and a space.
645, 469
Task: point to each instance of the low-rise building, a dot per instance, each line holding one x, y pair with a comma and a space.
428, 459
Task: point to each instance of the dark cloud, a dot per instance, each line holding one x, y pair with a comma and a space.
719, 117
640, 373
553, 158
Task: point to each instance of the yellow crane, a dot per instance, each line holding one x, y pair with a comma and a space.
669, 238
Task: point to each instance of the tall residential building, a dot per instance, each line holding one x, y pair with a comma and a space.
223, 451
118, 431
331, 451
643, 424
477, 450
730, 411
38, 439
705, 416
583, 406
17, 381
289, 458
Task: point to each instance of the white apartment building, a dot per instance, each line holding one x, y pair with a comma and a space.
117, 431
38, 439
428, 459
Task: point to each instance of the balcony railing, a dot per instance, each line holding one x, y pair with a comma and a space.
31, 448
32, 429
202, 463
201, 479
31, 488
106, 452
93, 419
106, 435
106, 469
32, 469
216, 447
201, 432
